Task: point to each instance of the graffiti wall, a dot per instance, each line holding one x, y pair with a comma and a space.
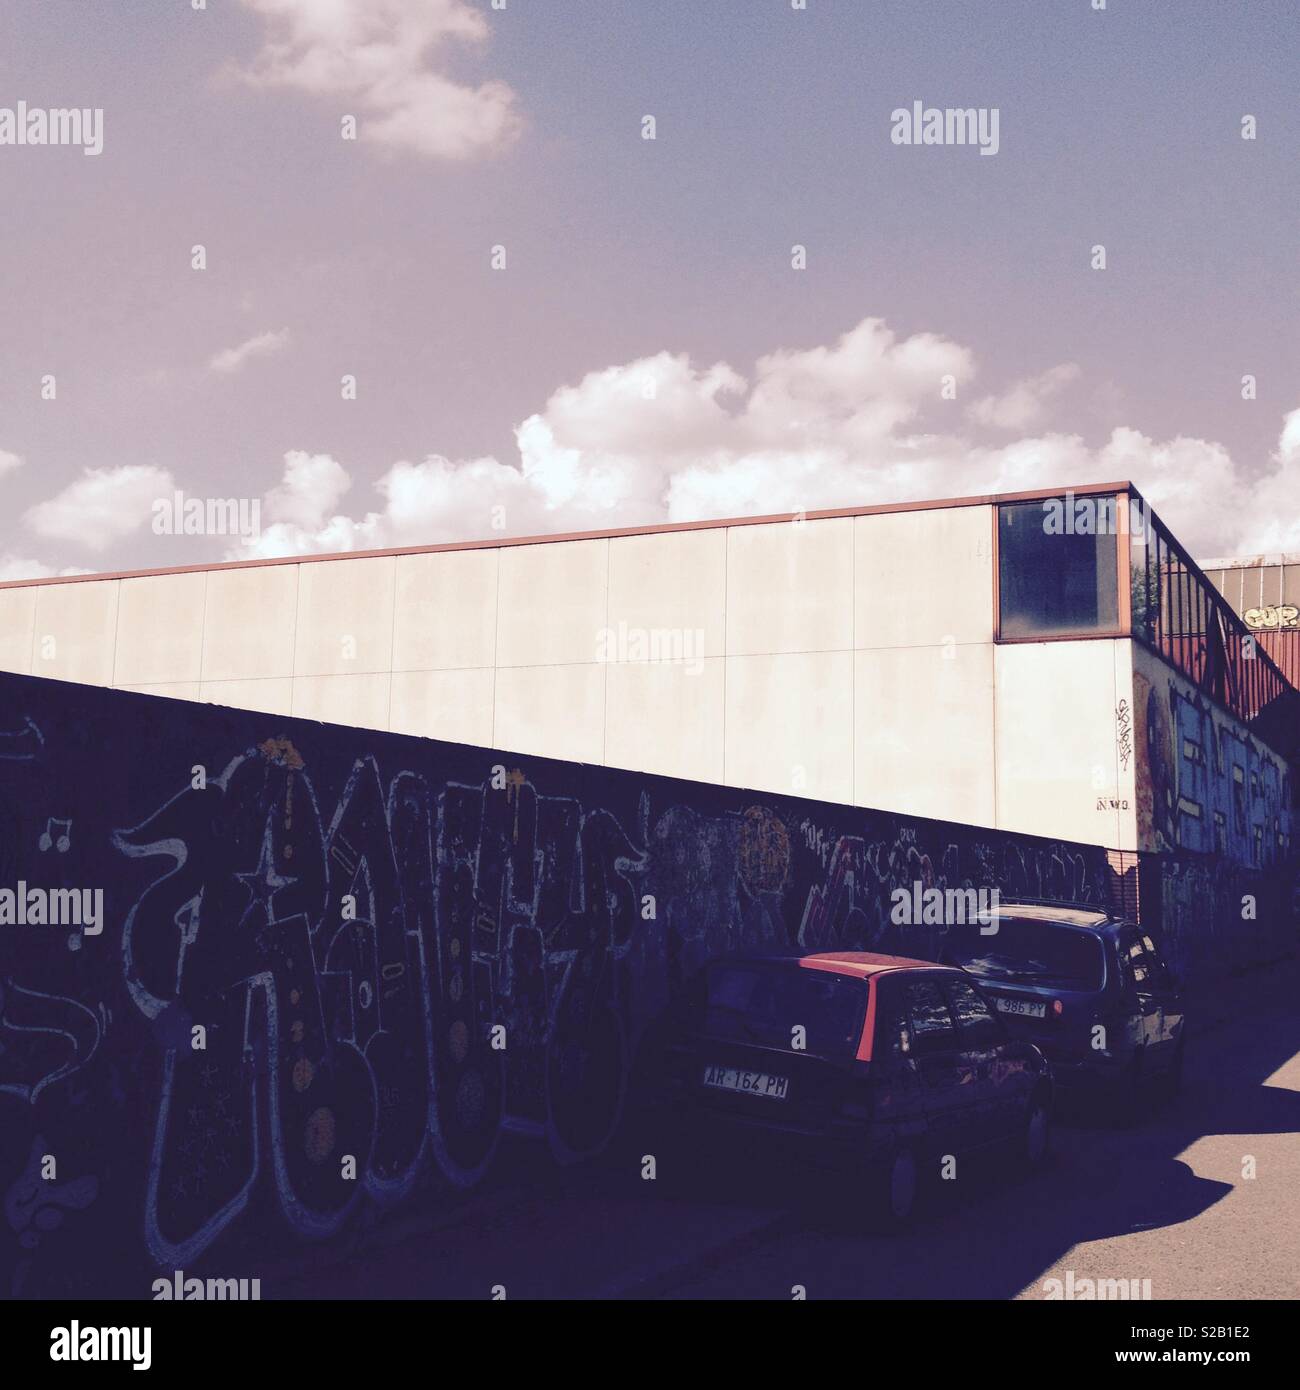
1204, 783
259, 976
1215, 822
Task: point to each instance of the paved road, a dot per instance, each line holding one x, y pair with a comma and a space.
1168, 1201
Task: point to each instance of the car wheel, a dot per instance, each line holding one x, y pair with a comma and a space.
1036, 1136
897, 1188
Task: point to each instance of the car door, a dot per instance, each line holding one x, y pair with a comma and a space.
947, 1079
900, 1106
996, 1100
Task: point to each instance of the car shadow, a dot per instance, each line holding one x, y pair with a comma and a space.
992, 1233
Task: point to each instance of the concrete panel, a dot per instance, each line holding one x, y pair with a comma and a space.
790, 587
345, 617
668, 595
445, 615
160, 629
666, 717
455, 705
551, 609
17, 622
361, 701
924, 725
790, 724
249, 628
1057, 759
556, 711
923, 578
1130, 752
75, 629
271, 696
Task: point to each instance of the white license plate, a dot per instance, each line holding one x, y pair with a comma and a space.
750, 1083
1023, 1007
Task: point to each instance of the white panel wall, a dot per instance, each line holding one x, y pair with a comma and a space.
1058, 765
924, 579
924, 721
76, 632
250, 620
159, 629
849, 659
790, 587
790, 724
17, 628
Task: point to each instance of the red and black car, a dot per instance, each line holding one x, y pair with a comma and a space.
874, 1064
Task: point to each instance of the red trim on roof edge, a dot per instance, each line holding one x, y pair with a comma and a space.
826, 514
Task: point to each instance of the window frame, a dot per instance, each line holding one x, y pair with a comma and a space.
917, 1036
1122, 555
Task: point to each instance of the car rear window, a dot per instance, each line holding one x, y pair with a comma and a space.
1025, 951
758, 1003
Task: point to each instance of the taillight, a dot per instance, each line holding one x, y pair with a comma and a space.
1058, 1008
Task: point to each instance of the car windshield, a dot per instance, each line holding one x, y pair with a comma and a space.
1024, 950
761, 1003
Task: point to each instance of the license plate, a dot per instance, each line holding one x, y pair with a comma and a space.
1023, 1007
750, 1083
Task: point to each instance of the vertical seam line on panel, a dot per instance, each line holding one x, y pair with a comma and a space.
726, 642
203, 627
496, 647
853, 663
117, 627
31, 655
995, 594
604, 699
392, 648
293, 642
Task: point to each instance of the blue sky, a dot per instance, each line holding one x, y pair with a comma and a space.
515, 399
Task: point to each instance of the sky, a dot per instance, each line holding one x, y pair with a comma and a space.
553, 323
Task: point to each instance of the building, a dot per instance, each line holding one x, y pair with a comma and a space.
357, 919
1034, 662
1264, 590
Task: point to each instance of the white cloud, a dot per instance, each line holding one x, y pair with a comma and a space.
16, 567
103, 505
1272, 521
388, 57
1025, 404
261, 345
8, 462
858, 422
312, 487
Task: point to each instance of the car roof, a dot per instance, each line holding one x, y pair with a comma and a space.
1094, 918
859, 964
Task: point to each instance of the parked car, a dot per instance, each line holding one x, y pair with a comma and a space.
873, 1065
1088, 988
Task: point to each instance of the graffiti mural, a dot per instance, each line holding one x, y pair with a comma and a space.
337, 966
1205, 784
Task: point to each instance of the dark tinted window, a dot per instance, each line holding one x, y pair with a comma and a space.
757, 1002
1029, 951
1053, 578
975, 1021
931, 1021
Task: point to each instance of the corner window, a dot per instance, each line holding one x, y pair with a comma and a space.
1057, 566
